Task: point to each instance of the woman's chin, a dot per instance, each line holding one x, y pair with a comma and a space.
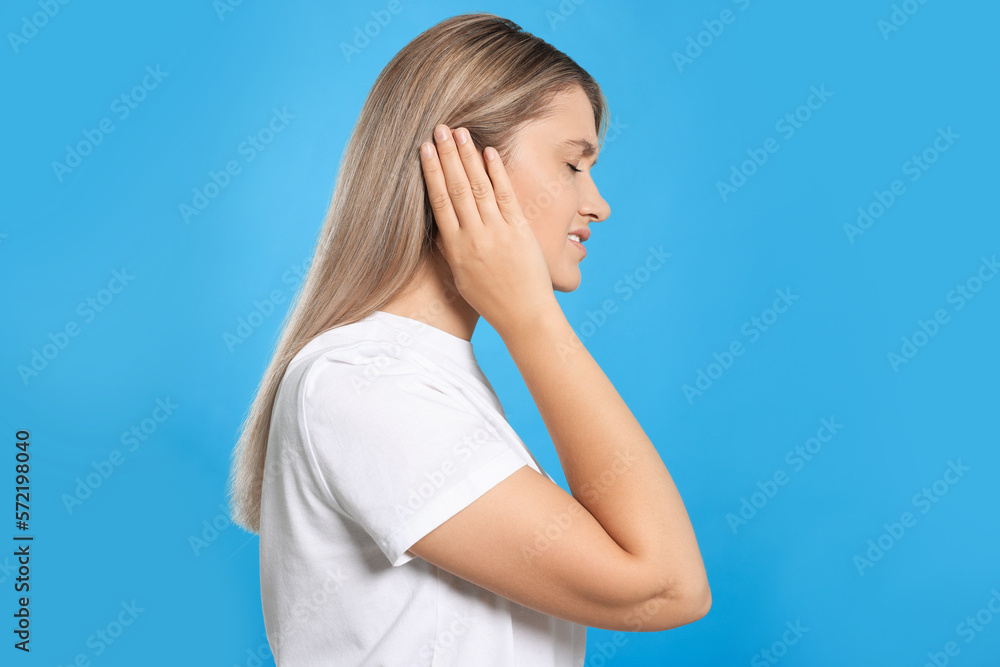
567, 282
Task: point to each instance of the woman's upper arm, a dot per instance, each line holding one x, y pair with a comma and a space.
531, 542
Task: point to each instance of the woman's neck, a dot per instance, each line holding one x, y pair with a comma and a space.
433, 299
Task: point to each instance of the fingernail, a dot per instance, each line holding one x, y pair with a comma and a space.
441, 133
461, 136
490, 153
427, 150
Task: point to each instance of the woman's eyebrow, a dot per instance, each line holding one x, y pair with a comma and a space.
588, 148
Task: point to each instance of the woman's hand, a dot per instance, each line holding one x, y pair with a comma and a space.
495, 259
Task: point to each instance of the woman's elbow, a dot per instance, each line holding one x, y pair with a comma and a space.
701, 604
672, 607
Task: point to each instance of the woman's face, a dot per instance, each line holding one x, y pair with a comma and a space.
555, 199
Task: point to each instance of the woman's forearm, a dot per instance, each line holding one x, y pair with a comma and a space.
611, 466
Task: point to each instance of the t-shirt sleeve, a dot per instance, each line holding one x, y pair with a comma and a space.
403, 451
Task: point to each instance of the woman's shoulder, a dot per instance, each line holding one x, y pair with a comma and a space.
356, 343
350, 372
358, 364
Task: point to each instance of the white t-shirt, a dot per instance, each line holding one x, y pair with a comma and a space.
382, 430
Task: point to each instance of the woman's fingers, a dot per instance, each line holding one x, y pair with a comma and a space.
454, 166
464, 188
480, 186
498, 266
503, 192
437, 189
488, 184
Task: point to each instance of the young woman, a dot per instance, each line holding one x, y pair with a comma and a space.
402, 521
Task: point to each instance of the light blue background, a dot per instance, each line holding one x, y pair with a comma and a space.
679, 132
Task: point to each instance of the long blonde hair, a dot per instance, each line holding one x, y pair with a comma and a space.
477, 71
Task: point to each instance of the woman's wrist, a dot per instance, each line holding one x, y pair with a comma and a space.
540, 323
